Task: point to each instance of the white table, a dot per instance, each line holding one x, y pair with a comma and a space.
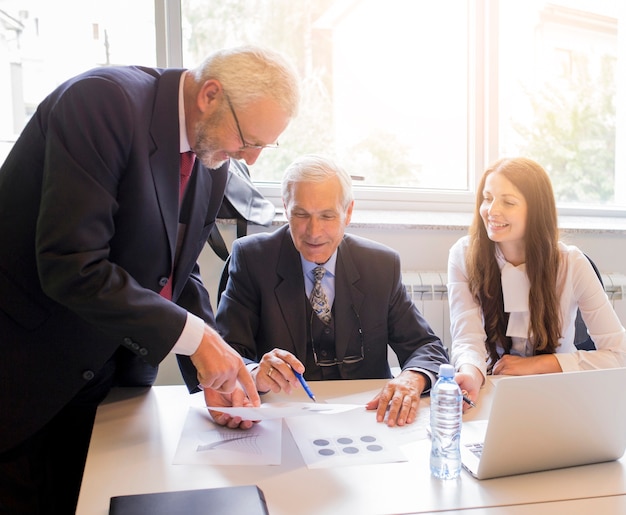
137, 432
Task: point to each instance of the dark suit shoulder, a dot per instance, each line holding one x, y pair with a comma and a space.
126, 73
136, 84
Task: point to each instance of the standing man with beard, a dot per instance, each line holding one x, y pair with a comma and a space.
99, 241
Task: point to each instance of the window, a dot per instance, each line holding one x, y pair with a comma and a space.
43, 43
558, 67
415, 98
385, 90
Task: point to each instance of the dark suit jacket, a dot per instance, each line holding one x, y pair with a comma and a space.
264, 305
88, 223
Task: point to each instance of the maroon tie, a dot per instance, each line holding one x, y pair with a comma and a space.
186, 166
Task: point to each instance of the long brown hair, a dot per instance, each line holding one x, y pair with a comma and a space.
542, 260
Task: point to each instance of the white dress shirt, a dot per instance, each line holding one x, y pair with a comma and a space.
189, 340
578, 287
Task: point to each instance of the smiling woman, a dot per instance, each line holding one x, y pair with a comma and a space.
504, 210
515, 290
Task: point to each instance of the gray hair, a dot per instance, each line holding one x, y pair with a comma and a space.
316, 168
250, 73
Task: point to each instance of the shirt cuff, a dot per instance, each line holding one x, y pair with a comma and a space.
189, 340
253, 366
431, 378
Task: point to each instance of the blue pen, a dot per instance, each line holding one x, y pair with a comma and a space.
304, 385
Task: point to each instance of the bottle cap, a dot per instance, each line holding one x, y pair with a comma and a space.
446, 371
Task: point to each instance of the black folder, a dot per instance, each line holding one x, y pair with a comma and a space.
229, 500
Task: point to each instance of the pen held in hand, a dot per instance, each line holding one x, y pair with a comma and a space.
305, 385
469, 401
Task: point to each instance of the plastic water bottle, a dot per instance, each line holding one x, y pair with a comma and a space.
446, 410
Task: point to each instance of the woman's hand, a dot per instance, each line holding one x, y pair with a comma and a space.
470, 380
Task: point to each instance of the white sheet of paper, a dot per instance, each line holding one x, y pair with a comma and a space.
202, 442
418, 430
272, 410
350, 438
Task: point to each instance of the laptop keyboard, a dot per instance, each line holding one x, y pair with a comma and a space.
476, 448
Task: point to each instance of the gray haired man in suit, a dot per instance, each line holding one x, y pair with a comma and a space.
99, 241
266, 315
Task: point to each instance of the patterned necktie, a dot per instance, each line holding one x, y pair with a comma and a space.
187, 160
318, 299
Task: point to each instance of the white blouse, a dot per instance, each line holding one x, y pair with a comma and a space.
578, 288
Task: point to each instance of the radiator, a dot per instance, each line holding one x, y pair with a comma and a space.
429, 292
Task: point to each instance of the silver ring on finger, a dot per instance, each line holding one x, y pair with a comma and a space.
269, 372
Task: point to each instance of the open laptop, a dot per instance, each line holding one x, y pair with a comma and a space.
550, 421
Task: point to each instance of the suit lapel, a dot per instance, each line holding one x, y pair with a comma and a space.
290, 294
165, 160
203, 192
193, 215
348, 301
202, 200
